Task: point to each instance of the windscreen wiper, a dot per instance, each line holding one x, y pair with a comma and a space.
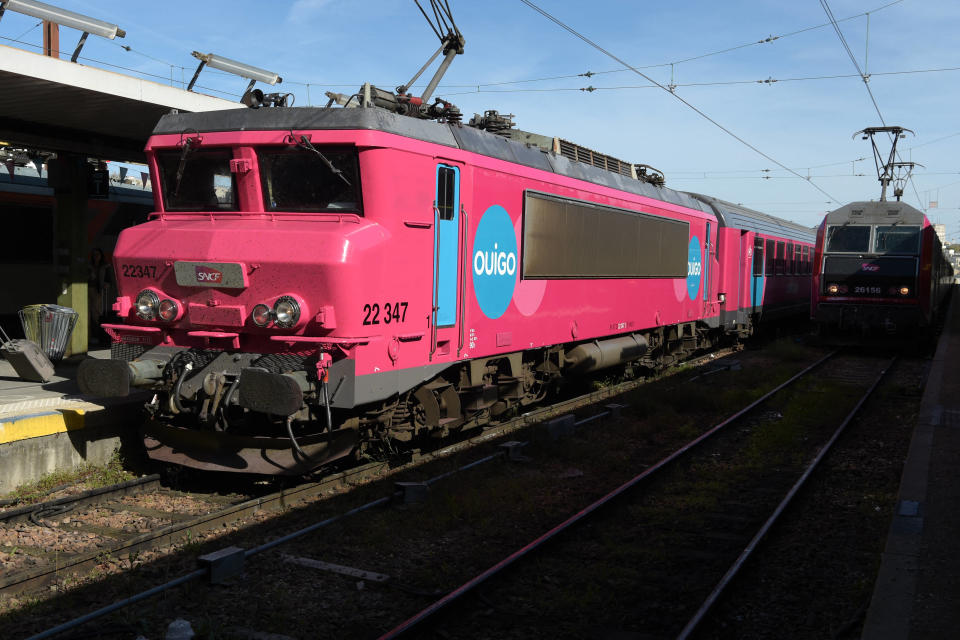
303, 143
187, 148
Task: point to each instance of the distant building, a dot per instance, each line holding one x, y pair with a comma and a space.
941, 230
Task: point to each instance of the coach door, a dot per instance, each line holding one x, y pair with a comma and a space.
756, 281
446, 248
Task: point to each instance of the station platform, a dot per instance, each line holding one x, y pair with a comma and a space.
50, 426
917, 592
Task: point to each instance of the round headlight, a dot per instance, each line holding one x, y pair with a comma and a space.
286, 312
261, 315
832, 288
169, 310
904, 291
147, 304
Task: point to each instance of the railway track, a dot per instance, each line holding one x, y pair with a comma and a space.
411, 588
60, 541
696, 521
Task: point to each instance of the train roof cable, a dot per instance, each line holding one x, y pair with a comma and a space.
674, 94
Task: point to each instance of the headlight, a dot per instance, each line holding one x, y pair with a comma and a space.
147, 304
169, 310
286, 312
261, 316
833, 289
904, 291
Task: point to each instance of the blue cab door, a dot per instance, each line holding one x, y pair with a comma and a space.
446, 249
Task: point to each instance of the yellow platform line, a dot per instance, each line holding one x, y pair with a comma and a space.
36, 425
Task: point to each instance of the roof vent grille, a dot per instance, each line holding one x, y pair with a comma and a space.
582, 154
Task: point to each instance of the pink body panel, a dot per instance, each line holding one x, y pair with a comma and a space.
339, 266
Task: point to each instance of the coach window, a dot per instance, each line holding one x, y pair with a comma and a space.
197, 180
771, 257
790, 266
798, 267
781, 258
848, 238
896, 239
310, 179
758, 257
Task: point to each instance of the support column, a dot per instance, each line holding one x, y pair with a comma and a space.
68, 177
51, 39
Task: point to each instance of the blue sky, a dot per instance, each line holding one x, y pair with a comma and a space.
516, 62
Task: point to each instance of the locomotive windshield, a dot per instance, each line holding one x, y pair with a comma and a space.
298, 179
848, 239
197, 180
895, 239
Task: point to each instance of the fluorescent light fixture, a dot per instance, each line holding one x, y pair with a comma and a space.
232, 66
56, 15
238, 68
66, 18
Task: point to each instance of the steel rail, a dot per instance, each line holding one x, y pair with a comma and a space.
91, 496
283, 499
446, 600
735, 568
41, 576
71, 624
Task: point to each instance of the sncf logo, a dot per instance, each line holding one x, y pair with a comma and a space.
866, 266
209, 275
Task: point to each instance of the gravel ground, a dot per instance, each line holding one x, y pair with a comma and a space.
475, 519
814, 577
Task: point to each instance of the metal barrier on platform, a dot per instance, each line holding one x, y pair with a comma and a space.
50, 326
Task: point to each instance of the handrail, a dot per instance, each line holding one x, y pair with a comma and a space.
436, 278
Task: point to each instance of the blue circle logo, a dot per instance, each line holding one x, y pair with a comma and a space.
694, 268
494, 262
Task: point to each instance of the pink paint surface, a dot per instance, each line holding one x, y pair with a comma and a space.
355, 268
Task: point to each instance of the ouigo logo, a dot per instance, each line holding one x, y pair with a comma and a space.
209, 275
494, 263
694, 267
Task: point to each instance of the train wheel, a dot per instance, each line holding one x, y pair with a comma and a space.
426, 409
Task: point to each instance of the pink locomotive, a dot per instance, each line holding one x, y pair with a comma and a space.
320, 283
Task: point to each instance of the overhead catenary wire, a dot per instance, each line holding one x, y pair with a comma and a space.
29, 30
767, 40
793, 177
719, 172
716, 83
866, 82
673, 93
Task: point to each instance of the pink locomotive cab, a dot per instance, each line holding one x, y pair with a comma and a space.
320, 283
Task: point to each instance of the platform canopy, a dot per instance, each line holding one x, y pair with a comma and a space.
47, 103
